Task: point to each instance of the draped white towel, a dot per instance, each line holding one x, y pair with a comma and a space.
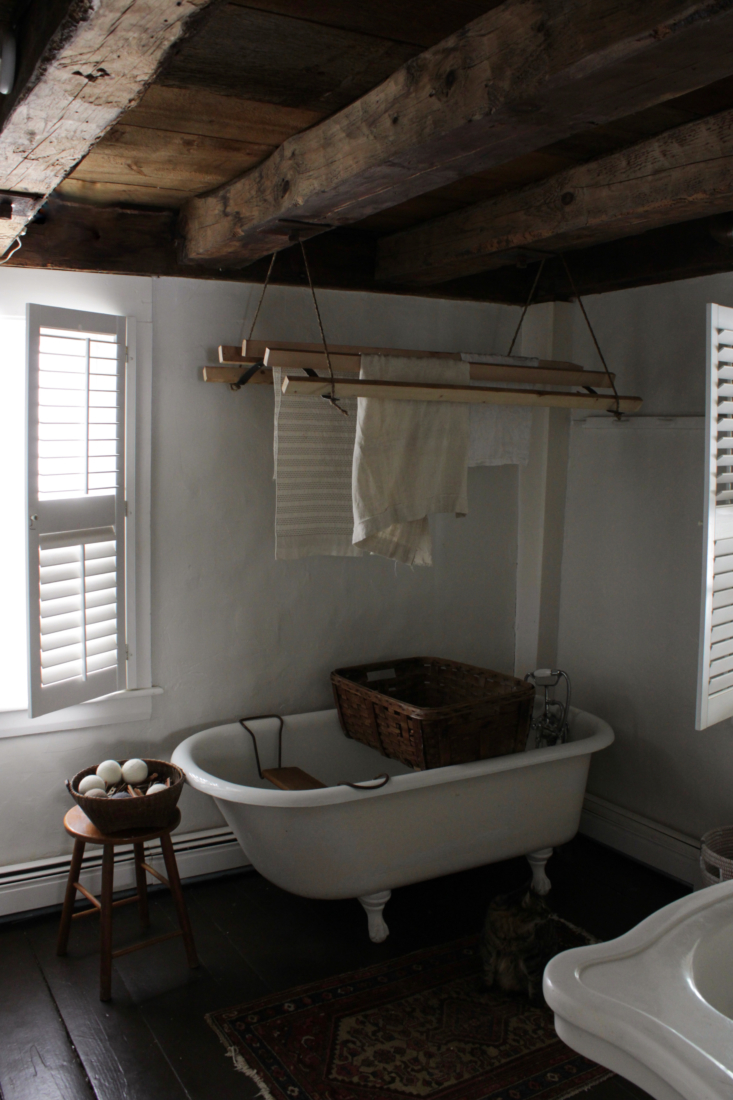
499, 434
314, 447
410, 460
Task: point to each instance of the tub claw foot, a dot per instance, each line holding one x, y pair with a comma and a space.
374, 906
537, 861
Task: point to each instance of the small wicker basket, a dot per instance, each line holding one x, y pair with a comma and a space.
430, 713
716, 855
151, 811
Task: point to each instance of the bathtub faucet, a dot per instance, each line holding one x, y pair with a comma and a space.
551, 725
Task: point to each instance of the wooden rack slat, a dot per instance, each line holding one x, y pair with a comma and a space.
231, 375
474, 395
343, 364
252, 350
259, 347
479, 372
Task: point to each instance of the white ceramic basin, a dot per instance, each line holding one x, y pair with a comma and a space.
656, 1005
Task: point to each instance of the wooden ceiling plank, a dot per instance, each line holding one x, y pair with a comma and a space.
95, 63
681, 174
112, 194
420, 22
188, 162
514, 80
261, 55
196, 111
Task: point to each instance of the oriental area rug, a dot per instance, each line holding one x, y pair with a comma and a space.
421, 1027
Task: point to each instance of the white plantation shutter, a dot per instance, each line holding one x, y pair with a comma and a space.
76, 383
715, 667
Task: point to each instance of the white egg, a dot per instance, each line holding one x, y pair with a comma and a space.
90, 782
157, 788
97, 792
110, 771
134, 771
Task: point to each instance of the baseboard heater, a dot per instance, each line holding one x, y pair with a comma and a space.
41, 883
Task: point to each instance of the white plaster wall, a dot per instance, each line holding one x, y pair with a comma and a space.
235, 632
632, 561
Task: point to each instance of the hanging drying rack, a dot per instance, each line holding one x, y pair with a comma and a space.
346, 360
254, 362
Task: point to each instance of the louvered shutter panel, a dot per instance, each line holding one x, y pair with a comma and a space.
715, 667
76, 375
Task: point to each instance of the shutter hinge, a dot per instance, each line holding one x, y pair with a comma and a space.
127, 509
127, 653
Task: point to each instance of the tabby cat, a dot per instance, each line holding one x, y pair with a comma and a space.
520, 937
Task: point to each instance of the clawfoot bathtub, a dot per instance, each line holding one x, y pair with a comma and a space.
338, 842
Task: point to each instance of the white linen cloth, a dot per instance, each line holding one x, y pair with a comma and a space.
499, 434
314, 447
410, 459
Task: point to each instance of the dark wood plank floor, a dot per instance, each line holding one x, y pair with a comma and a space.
59, 1042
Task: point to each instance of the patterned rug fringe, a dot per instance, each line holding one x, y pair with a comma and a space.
590, 1085
240, 1062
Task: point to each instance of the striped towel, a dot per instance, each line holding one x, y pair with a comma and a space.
314, 448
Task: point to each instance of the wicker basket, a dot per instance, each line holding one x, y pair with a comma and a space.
115, 815
430, 713
716, 855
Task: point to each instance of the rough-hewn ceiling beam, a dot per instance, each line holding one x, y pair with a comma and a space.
684, 173
525, 74
81, 237
82, 63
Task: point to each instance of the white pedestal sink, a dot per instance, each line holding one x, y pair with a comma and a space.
656, 1005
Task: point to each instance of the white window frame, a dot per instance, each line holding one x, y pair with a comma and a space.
135, 702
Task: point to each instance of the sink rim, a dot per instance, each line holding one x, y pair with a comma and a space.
692, 1048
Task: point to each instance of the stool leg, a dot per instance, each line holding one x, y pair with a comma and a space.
105, 960
70, 897
175, 884
142, 885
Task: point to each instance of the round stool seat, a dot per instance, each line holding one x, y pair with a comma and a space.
78, 825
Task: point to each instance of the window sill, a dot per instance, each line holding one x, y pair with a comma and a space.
123, 706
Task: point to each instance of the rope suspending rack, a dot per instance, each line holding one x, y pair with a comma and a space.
332, 370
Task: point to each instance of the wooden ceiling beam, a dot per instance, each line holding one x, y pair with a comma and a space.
82, 64
71, 236
517, 78
683, 173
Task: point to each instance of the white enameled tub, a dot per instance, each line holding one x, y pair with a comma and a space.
338, 842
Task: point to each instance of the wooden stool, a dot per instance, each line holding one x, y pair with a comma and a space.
78, 825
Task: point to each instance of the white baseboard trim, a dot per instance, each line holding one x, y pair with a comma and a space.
647, 841
42, 882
